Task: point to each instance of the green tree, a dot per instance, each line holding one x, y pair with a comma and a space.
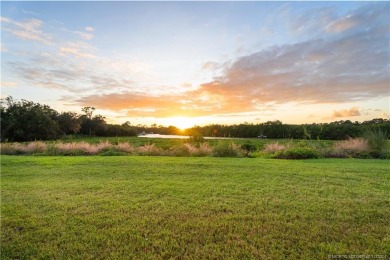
26, 121
69, 123
86, 120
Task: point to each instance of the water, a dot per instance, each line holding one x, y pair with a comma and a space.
181, 137
164, 136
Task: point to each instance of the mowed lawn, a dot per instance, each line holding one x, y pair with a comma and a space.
192, 208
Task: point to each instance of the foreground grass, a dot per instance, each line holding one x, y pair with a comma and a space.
168, 207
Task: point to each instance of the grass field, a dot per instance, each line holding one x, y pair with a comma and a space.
192, 208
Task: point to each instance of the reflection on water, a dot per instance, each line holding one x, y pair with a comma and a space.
164, 136
180, 136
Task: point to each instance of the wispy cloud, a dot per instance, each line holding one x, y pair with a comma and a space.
342, 24
84, 35
26, 30
4, 84
2, 49
78, 49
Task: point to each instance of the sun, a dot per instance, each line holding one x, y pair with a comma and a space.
181, 122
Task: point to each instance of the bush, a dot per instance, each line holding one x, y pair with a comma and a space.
297, 153
377, 141
247, 148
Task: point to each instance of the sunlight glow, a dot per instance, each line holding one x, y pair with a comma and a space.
181, 122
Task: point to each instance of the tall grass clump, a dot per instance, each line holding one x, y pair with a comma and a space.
182, 150
204, 150
377, 142
19, 149
187, 149
300, 150
125, 147
37, 147
274, 147
149, 149
223, 149
357, 147
12, 148
297, 153
75, 148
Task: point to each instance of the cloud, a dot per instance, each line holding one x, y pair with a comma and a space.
134, 104
2, 49
84, 35
342, 24
346, 112
346, 68
26, 30
8, 84
47, 78
77, 49
29, 12
348, 63
210, 65
87, 35
75, 71
312, 21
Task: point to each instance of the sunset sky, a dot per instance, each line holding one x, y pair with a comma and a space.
187, 63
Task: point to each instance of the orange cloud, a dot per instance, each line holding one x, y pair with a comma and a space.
342, 24
346, 112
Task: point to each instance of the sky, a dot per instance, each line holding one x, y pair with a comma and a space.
199, 63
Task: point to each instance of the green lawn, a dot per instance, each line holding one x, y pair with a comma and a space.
192, 208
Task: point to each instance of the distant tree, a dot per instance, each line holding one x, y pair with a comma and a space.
86, 120
69, 123
25, 121
88, 111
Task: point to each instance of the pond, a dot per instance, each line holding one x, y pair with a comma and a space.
181, 136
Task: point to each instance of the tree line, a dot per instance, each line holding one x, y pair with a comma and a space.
27, 121
338, 130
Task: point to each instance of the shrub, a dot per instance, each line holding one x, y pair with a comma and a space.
297, 153
377, 141
247, 148
196, 138
226, 150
